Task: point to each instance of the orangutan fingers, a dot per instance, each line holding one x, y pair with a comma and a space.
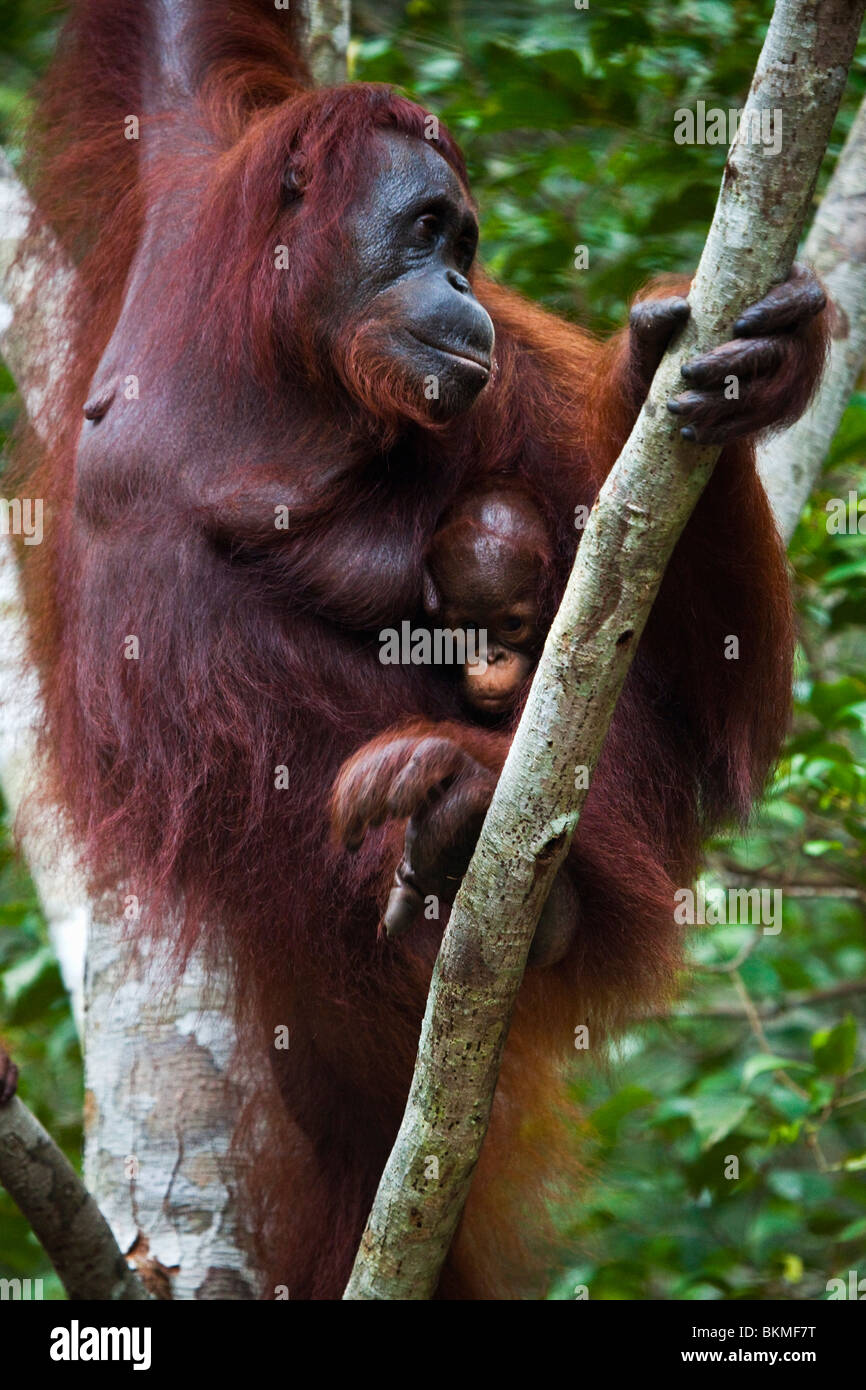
360, 796
745, 358
786, 307
655, 320
652, 324
433, 765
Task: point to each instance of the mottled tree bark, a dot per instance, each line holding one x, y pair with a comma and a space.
790, 463
326, 38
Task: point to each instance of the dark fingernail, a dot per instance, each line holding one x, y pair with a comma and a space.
404, 904
687, 371
688, 433
740, 327
395, 923
675, 408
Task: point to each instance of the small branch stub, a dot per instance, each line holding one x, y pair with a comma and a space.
65, 1219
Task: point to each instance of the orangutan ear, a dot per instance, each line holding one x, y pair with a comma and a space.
432, 601
292, 186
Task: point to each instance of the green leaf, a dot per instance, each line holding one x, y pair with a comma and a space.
854, 714
26, 979
799, 1186
817, 848
762, 1062
606, 1118
786, 1134
836, 1048
840, 574
828, 698
792, 1269
715, 1116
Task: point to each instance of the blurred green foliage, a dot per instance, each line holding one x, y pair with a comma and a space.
567, 118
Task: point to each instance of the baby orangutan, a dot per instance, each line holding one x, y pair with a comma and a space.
487, 569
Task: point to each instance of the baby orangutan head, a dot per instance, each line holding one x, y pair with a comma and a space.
488, 569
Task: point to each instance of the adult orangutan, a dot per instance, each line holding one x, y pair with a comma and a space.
286, 367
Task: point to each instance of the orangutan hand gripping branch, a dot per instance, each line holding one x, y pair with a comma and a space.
291, 389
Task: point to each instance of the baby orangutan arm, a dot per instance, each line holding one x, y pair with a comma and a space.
440, 779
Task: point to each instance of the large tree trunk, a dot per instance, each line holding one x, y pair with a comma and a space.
159, 1110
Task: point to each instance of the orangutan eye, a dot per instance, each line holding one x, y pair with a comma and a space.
512, 623
427, 226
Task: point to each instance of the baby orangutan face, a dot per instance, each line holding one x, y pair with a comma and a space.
486, 570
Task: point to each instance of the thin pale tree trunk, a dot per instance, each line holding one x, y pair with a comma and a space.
790, 463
